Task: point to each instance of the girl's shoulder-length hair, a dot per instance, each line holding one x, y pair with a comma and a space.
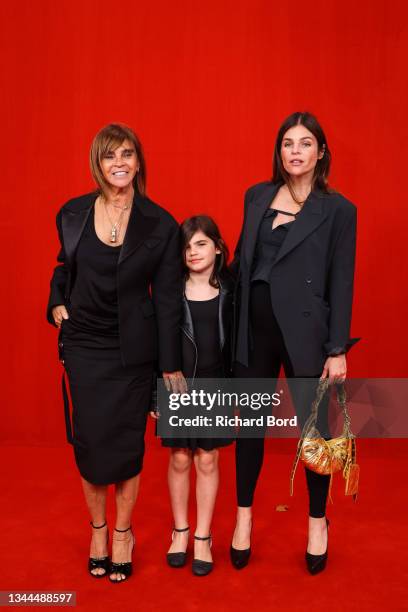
208, 226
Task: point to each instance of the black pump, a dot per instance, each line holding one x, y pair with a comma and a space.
240, 558
317, 563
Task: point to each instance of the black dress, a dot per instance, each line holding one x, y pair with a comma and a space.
110, 401
204, 314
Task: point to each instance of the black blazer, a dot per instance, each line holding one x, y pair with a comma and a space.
311, 279
189, 347
149, 279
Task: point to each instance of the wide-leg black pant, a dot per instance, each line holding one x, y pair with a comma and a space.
268, 353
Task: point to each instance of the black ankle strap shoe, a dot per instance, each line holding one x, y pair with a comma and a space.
199, 567
124, 568
177, 559
99, 562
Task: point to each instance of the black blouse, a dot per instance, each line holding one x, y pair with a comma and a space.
268, 244
94, 300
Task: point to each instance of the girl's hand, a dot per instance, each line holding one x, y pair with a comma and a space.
175, 382
335, 368
59, 313
155, 415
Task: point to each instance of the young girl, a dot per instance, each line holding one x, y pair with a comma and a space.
206, 350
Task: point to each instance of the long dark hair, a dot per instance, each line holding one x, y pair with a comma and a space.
208, 226
322, 169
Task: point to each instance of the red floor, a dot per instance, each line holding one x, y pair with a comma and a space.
45, 532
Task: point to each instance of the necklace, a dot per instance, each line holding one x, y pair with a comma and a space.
115, 226
293, 196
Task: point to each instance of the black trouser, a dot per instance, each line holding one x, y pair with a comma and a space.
268, 353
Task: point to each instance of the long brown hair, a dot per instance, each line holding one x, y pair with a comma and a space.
108, 139
322, 168
208, 226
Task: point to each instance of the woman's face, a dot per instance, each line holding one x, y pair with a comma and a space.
119, 166
300, 151
200, 253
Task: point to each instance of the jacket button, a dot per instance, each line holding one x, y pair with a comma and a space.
308, 280
306, 313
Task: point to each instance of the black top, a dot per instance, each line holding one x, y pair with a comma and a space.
94, 301
205, 323
268, 244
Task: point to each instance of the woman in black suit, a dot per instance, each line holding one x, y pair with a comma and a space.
115, 296
295, 266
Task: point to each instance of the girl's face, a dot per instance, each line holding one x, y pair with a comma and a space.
200, 253
300, 151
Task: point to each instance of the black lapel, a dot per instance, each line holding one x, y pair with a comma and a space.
222, 301
73, 223
187, 322
143, 219
256, 211
310, 217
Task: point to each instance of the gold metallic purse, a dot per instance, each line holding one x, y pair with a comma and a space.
328, 456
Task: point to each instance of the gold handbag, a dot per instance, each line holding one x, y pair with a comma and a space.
328, 456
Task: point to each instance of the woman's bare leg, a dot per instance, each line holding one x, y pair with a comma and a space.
122, 543
95, 497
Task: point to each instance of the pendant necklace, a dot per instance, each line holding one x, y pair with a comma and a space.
115, 227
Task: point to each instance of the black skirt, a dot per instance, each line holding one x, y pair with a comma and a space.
206, 444
110, 403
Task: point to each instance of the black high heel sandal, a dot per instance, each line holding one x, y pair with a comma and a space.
177, 559
199, 567
317, 563
99, 562
122, 568
240, 558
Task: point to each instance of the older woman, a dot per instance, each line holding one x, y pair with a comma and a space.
115, 296
295, 261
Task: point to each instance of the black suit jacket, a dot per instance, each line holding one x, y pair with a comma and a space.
311, 279
149, 279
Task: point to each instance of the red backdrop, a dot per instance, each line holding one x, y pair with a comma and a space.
205, 84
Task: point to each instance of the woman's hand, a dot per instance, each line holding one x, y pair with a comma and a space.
175, 382
59, 313
335, 368
154, 414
